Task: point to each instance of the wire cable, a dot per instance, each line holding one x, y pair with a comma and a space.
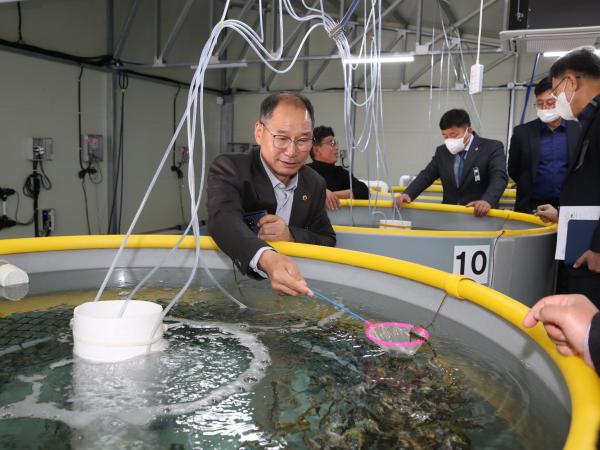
479, 34
20, 23
116, 214
30, 221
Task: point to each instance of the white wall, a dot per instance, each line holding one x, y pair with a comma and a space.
39, 98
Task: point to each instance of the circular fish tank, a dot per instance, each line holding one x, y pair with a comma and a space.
434, 194
283, 372
508, 251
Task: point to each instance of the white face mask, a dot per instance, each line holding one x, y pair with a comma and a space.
547, 115
455, 145
563, 107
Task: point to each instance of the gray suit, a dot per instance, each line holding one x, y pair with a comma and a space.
484, 174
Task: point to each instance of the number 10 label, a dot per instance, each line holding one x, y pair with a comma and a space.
472, 261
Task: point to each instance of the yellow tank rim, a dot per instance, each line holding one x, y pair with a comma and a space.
582, 382
541, 227
437, 187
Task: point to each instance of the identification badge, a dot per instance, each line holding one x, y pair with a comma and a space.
476, 174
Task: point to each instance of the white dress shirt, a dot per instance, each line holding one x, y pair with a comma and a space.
285, 199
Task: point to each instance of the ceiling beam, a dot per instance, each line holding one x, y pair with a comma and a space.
164, 54
133, 9
221, 50
456, 25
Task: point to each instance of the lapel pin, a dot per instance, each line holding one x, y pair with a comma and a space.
305, 197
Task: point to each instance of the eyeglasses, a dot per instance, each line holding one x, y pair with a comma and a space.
332, 143
545, 104
553, 93
282, 142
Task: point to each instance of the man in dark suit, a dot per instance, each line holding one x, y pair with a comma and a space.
325, 153
576, 83
572, 323
540, 153
472, 168
274, 179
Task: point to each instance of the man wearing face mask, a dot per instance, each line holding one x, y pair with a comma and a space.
540, 152
472, 169
576, 83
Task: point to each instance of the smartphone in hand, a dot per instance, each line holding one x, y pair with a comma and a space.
252, 219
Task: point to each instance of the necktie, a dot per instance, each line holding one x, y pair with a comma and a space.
461, 166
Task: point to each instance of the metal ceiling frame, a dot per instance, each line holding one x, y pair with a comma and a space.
397, 31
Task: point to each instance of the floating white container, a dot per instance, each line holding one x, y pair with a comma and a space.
11, 275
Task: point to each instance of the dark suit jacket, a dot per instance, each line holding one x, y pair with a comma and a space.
338, 179
486, 155
582, 183
238, 184
524, 157
594, 342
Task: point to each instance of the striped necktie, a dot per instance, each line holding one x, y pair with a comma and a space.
461, 166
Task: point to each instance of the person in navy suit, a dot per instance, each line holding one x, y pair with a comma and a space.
472, 169
541, 152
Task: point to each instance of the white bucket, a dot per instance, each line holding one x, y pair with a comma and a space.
391, 224
100, 335
11, 275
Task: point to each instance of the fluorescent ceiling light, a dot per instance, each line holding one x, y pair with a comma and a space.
398, 58
561, 54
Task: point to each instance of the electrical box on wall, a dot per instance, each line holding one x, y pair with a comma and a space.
47, 219
39, 149
93, 148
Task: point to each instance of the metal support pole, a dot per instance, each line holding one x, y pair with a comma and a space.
221, 50
419, 21
273, 26
111, 118
227, 113
505, 15
124, 31
511, 100
464, 20
497, 62
233, 74
175, 31
157, 30
306, 53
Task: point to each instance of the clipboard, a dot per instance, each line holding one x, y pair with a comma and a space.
579, 238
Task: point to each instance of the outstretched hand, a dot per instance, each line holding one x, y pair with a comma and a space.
566, 318
284, 274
